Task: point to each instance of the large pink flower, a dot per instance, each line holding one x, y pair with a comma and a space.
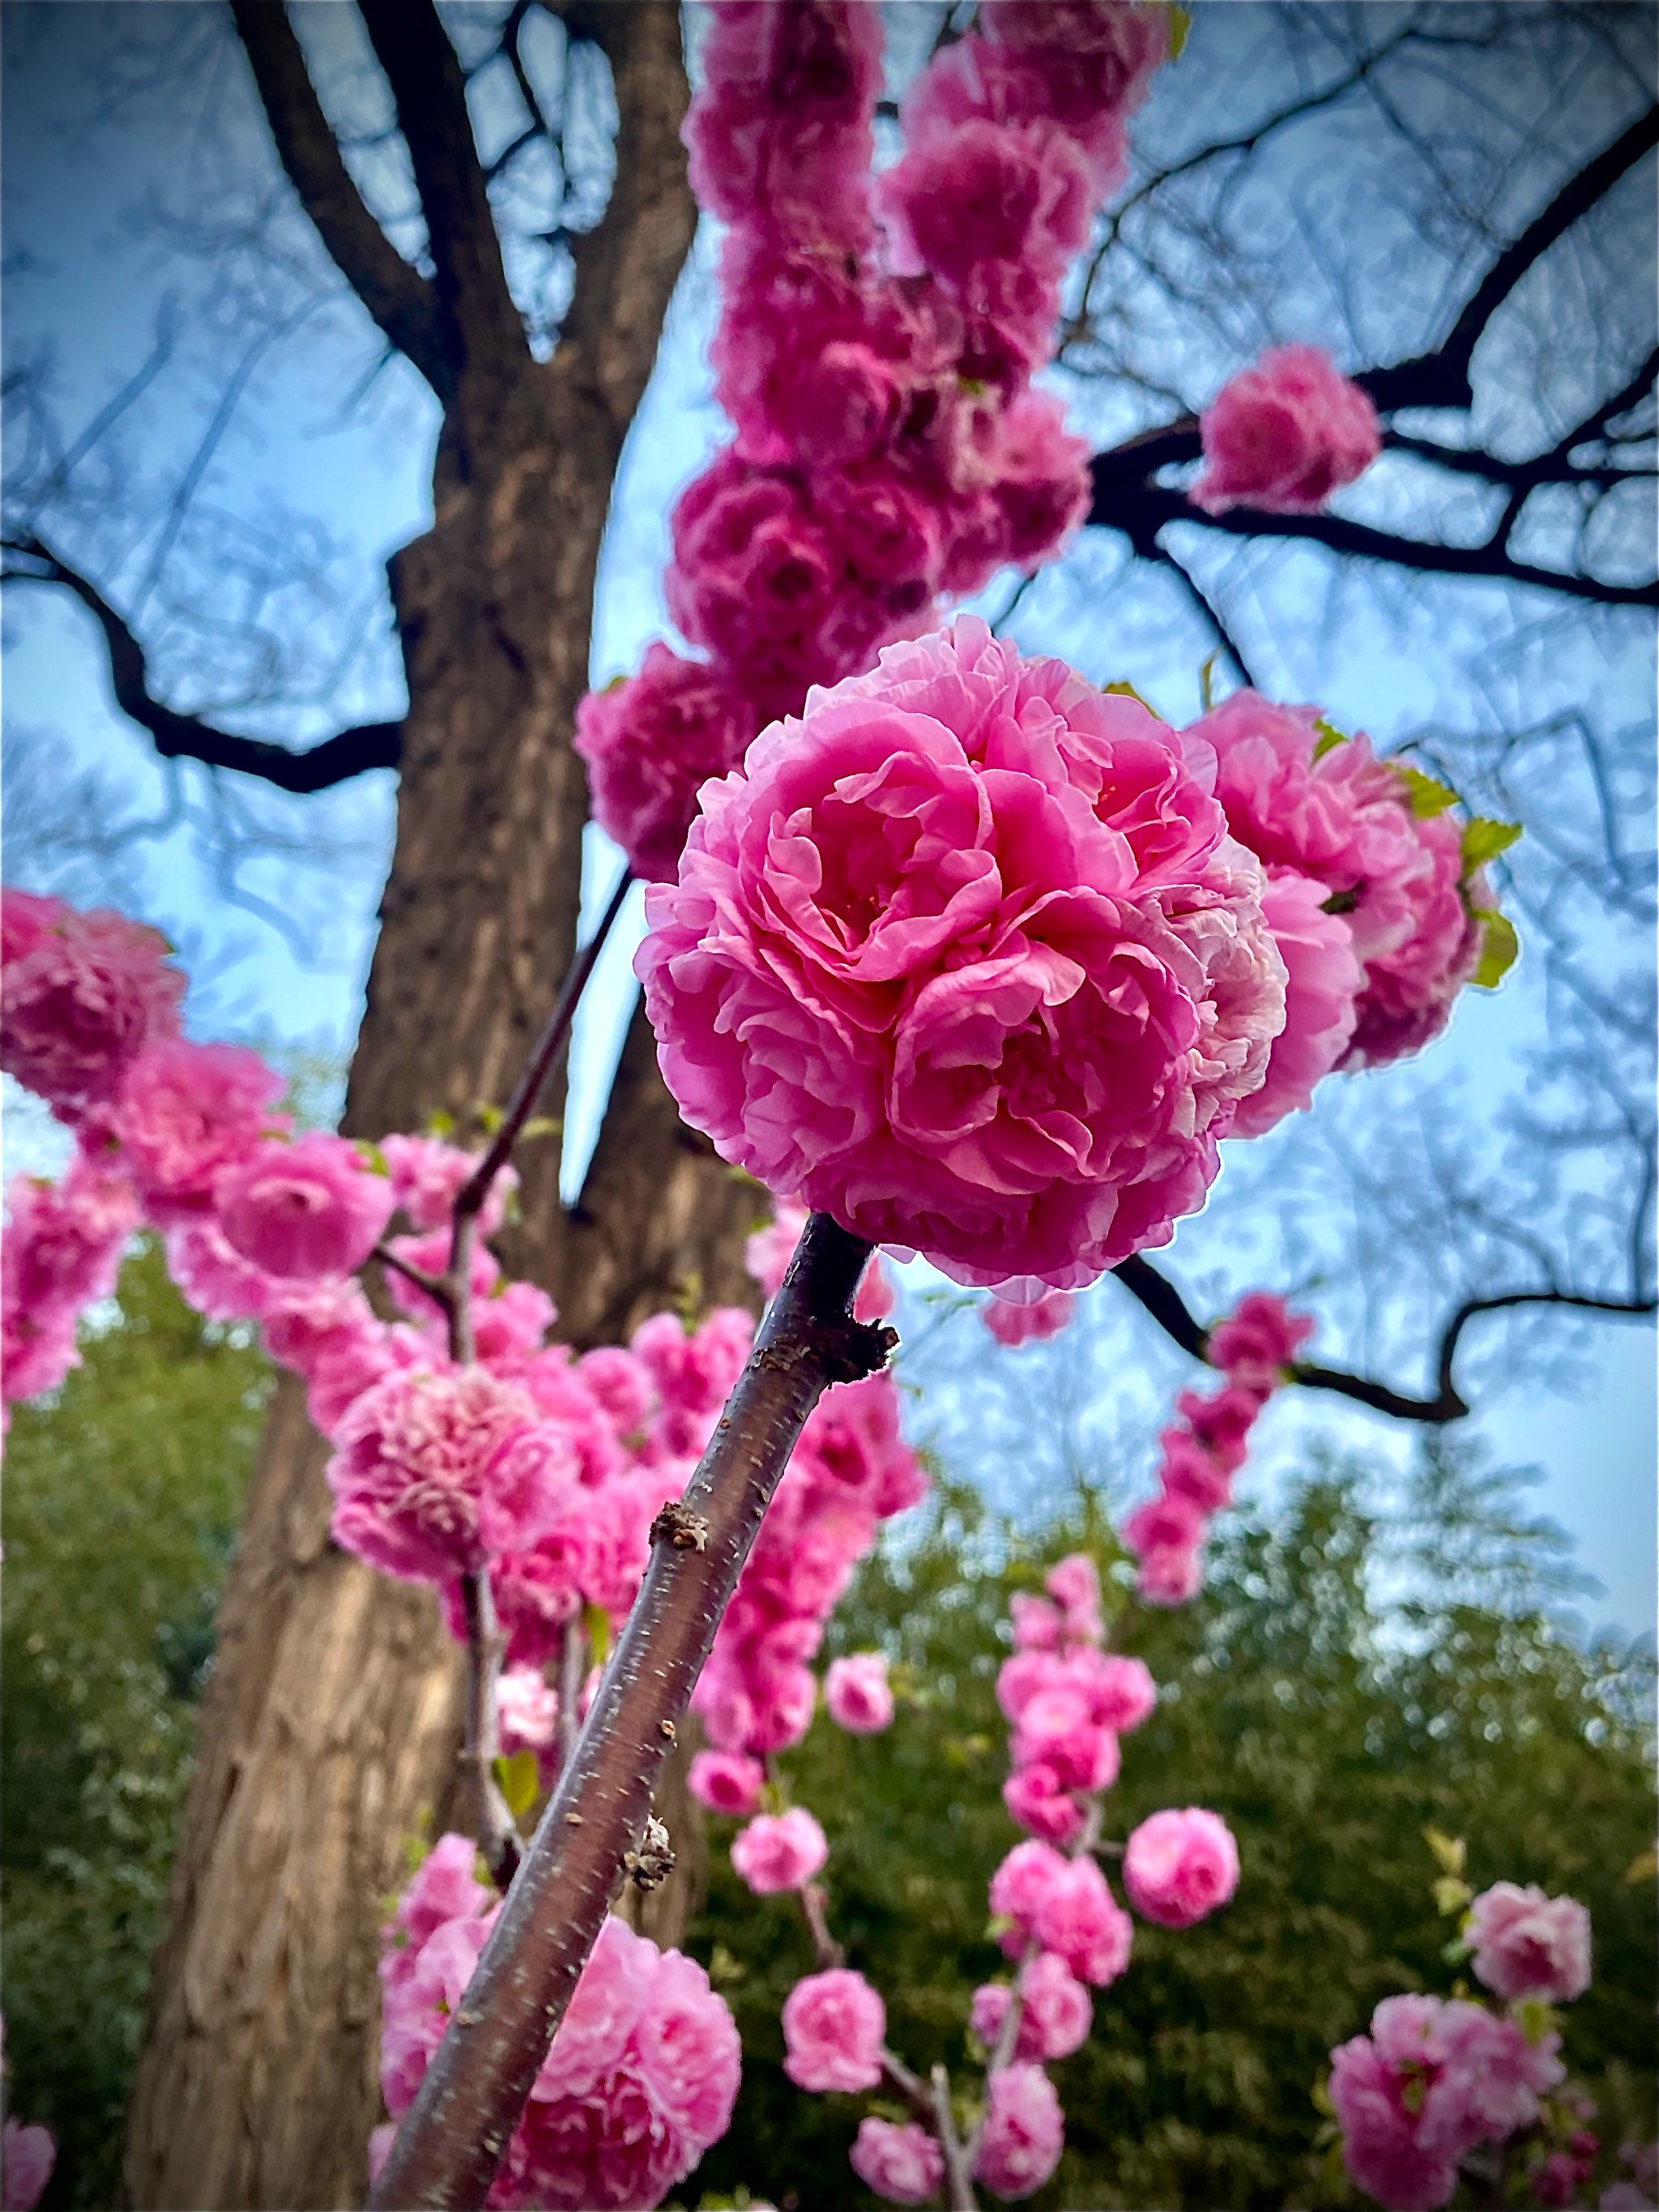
833, 2025
81, 996
1283, 435
968, 963
1323, 979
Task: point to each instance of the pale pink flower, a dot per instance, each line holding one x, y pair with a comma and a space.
1410, 989
1037, 1800
1036, 1624
219, 1283
779, 1850
427, 1178
433, 1472
1324, 981
947, 1003
186, 1112
1283, 434
527, 1711
900, 2162
1023, 2134
687, 2056
28, 2156
727, 1782
81, 996
1180, 1867
857, 1693
1012, 1323
308, 1208
833, 2026
1055, 2012
1019, 1888
1529, 1945
1074, 1582
650, 741
1123, 1690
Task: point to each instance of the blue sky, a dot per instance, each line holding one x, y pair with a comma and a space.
1579, 1406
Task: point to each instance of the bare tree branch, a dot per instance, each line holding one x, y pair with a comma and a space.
187, 737
1161, 1299
401, 301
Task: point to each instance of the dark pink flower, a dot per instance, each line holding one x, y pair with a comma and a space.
650, 741
1323, 979
186, 1113
28, 2156
912, 971
1283, 434
857, 1693
727, 1782
308, 1208
81, 996
1258, 1341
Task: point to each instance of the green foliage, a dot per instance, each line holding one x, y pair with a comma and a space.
122, 1501
1347, 1683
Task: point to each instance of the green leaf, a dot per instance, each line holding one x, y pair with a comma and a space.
1207, 680
440, 1124
1428, 796
541, 1125
1450, 1893
1126, 692
1499, 949
519, 1781
1450, 1852
1642, 1866
1180, 23
1485, 838
596, 1626
1329, 738
488, 1117
1534, 2017
373, 1157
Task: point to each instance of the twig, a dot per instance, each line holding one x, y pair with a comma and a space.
827, 1954
498, 1835
959, 2171
474, 1194
572, 1665
450, 2140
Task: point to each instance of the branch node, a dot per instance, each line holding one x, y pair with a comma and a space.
679, 1526
650, 1866
848, 1351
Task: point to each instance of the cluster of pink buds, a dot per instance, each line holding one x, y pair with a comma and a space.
1204, 1450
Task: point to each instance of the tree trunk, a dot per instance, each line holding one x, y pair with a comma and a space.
330, 1732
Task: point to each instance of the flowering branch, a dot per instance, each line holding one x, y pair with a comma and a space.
1164, 1303
451, 2140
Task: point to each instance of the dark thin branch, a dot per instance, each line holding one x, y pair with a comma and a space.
451, 2140
1206, 606
29, 560
398, 298
1170, 1311
498, 1836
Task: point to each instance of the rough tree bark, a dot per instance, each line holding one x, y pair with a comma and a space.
332, 1726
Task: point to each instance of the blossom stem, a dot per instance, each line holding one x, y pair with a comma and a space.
958, 2169
474, 1194
452, 2139
497, 1832
573, 1656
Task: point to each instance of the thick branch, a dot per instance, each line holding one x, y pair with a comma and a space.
1169, 1310
187, 737
452, 2138
480, 322
400, 300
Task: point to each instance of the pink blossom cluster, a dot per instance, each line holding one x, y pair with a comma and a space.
641, 2075
1376, 916
851, 1471
1432, 2081
1067, 1701
966, 958
1283, 434
1203, 1451
875, 352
